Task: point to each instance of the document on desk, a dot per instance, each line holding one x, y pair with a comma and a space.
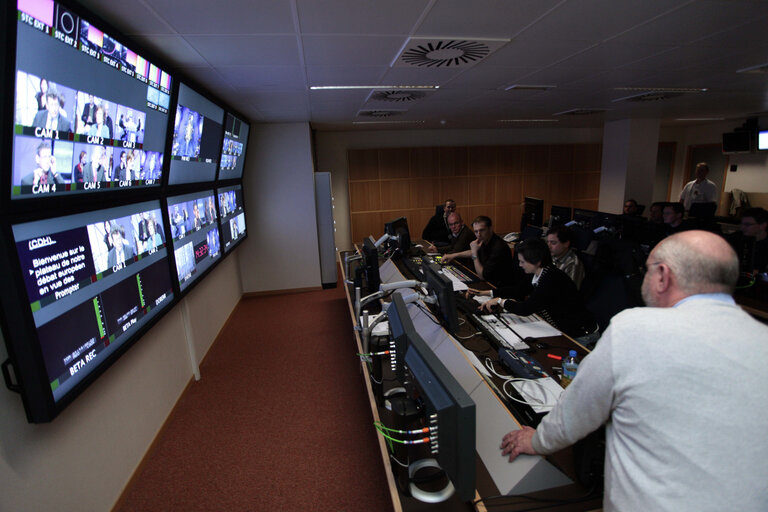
530, 326
458, 284
511, 338
541, 394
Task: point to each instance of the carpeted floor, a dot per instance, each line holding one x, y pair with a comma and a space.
279, 421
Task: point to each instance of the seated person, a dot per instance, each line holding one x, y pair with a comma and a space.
437, 230
554, 296
673, 218
656, 213
459, 238
630, 207
563, 256
491, 256
754, 223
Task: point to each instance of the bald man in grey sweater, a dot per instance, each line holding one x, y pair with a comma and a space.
681, 386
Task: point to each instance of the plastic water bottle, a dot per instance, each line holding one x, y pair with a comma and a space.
570, 365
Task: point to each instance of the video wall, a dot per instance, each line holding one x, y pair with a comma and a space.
122, 190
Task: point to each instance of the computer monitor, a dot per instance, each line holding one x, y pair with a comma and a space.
233, 148
583, 216
85, 287
89, 114
197, 135
533, 212
371, 267
195, 236
560, 215
402, 244
232, 216
442, 288
762, 140
443, 398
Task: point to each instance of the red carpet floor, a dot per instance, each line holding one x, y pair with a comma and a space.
279, 421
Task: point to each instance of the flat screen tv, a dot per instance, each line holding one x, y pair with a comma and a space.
79, 290
195, 238
233, 147
762, 140
533, 212
232, 216
197, 138
90, 114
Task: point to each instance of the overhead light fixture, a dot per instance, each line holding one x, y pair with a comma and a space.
402, 87
755, 70
387, 122
662, 89
525, 87
528, 120
700, 119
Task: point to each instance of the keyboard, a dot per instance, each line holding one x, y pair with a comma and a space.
521, 364
458, 274
495, 330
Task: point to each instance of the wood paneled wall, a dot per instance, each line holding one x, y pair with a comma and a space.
483, 180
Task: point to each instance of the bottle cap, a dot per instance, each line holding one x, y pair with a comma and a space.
572, 353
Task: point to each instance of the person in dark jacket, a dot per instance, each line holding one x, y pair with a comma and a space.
554, 296
437, 231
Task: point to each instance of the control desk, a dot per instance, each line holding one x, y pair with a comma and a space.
475, 360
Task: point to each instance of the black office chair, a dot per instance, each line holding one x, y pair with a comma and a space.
640, 209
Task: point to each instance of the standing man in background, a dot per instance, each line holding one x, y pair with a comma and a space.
700, 190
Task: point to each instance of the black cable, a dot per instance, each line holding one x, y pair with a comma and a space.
591, 494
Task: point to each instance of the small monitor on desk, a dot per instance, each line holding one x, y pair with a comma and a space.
401, 242
448, 409
533, 212
442, 288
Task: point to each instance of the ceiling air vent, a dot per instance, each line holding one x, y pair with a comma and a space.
446, 52
396, 96
379, 114
580, 112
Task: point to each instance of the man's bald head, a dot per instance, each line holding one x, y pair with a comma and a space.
697, 261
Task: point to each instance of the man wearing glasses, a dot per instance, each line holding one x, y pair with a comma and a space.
680, 387
437, 230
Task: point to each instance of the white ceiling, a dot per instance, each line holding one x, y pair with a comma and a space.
263, 56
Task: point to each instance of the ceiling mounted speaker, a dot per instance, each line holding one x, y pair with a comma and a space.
446, 52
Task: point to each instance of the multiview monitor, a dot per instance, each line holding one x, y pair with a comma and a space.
90, 114
233, 147
91, 281
197, 138
232, 216
195, 236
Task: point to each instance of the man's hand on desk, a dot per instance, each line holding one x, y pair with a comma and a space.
447, 258
517, 442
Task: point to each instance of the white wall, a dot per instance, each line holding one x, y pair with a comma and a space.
332, 150
279, 197
85, 457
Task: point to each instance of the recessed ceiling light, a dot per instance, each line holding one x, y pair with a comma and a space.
524, 87
662, 89
700, 119
387, 122
333, 87
528, 120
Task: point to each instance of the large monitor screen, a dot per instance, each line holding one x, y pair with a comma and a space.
89, 113
233, 148
195, 234
92, 280
232, 216
196, 145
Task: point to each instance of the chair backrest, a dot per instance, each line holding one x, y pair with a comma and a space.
702, 210
640, 209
